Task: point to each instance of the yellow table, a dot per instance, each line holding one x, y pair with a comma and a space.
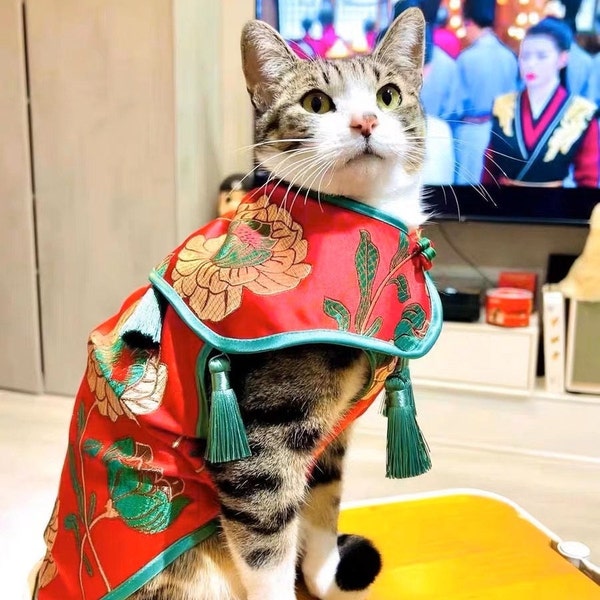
460, 545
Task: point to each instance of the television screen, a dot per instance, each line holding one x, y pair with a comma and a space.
510, 92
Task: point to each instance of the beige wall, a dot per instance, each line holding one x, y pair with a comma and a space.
214, 116
132, 132
103, 120
495, 247
20, 356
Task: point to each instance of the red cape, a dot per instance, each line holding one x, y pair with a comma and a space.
284, 270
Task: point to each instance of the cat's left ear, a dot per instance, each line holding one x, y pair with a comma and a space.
265, 59
404, 42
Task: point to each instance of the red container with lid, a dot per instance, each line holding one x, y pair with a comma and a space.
508, 307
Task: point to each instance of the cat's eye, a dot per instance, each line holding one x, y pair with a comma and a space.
389, 97
317, 102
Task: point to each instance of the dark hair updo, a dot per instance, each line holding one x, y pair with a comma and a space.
553, 28
560, 33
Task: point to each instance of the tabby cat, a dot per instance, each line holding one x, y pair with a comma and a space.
354, 128
351, 128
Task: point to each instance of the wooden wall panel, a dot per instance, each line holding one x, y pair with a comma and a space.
238, 132
198, 108
20, 356
214, 113
103, 142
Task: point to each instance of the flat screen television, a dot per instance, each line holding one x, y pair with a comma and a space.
462, 192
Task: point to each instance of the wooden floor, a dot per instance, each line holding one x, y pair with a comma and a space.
564, 495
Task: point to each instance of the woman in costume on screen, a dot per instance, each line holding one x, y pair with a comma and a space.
543, 135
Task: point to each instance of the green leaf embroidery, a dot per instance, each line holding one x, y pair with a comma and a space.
411, 328
145, 499
367, 261
402, 252
105, 358
375, 327
75, 479
92, 447
403, 290
87, 565
80, 420
92, 507
337, 311
72, 524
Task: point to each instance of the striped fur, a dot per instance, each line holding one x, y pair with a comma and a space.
322, 151
279, 507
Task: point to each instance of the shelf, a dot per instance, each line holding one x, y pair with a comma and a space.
537, 392
482, 357
558, 426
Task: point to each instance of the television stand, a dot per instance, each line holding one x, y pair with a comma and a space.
481, 357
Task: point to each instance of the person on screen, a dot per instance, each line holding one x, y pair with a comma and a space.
399, 7
543, 132
443, 36
370, 29
581, 77
330, 44
487, 68
440, 91
439, 145
439, 94
596, 68
305, 46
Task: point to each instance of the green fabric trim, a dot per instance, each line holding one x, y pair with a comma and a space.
297, 338
363, 209
201, 370
160, 562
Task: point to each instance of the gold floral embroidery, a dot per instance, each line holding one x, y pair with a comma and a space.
48, 568
142, 390
262, 251
504, 110
106, 399
146, 395
572, 126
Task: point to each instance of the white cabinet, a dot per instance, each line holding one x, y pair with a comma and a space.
481, 356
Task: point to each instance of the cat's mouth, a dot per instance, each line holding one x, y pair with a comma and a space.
370, 152
367, 151
366, 155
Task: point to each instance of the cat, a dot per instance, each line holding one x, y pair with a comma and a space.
365, 146
351, 128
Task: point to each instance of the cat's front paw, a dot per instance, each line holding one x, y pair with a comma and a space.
348, 575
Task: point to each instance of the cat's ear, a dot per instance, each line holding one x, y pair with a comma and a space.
404, 42
265, 59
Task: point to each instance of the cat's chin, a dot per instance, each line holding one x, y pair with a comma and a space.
380, 182
372, 181
364, 160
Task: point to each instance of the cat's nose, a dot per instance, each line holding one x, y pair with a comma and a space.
364, 123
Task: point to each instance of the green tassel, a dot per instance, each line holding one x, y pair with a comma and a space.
407, 450
227, 439
146, 319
